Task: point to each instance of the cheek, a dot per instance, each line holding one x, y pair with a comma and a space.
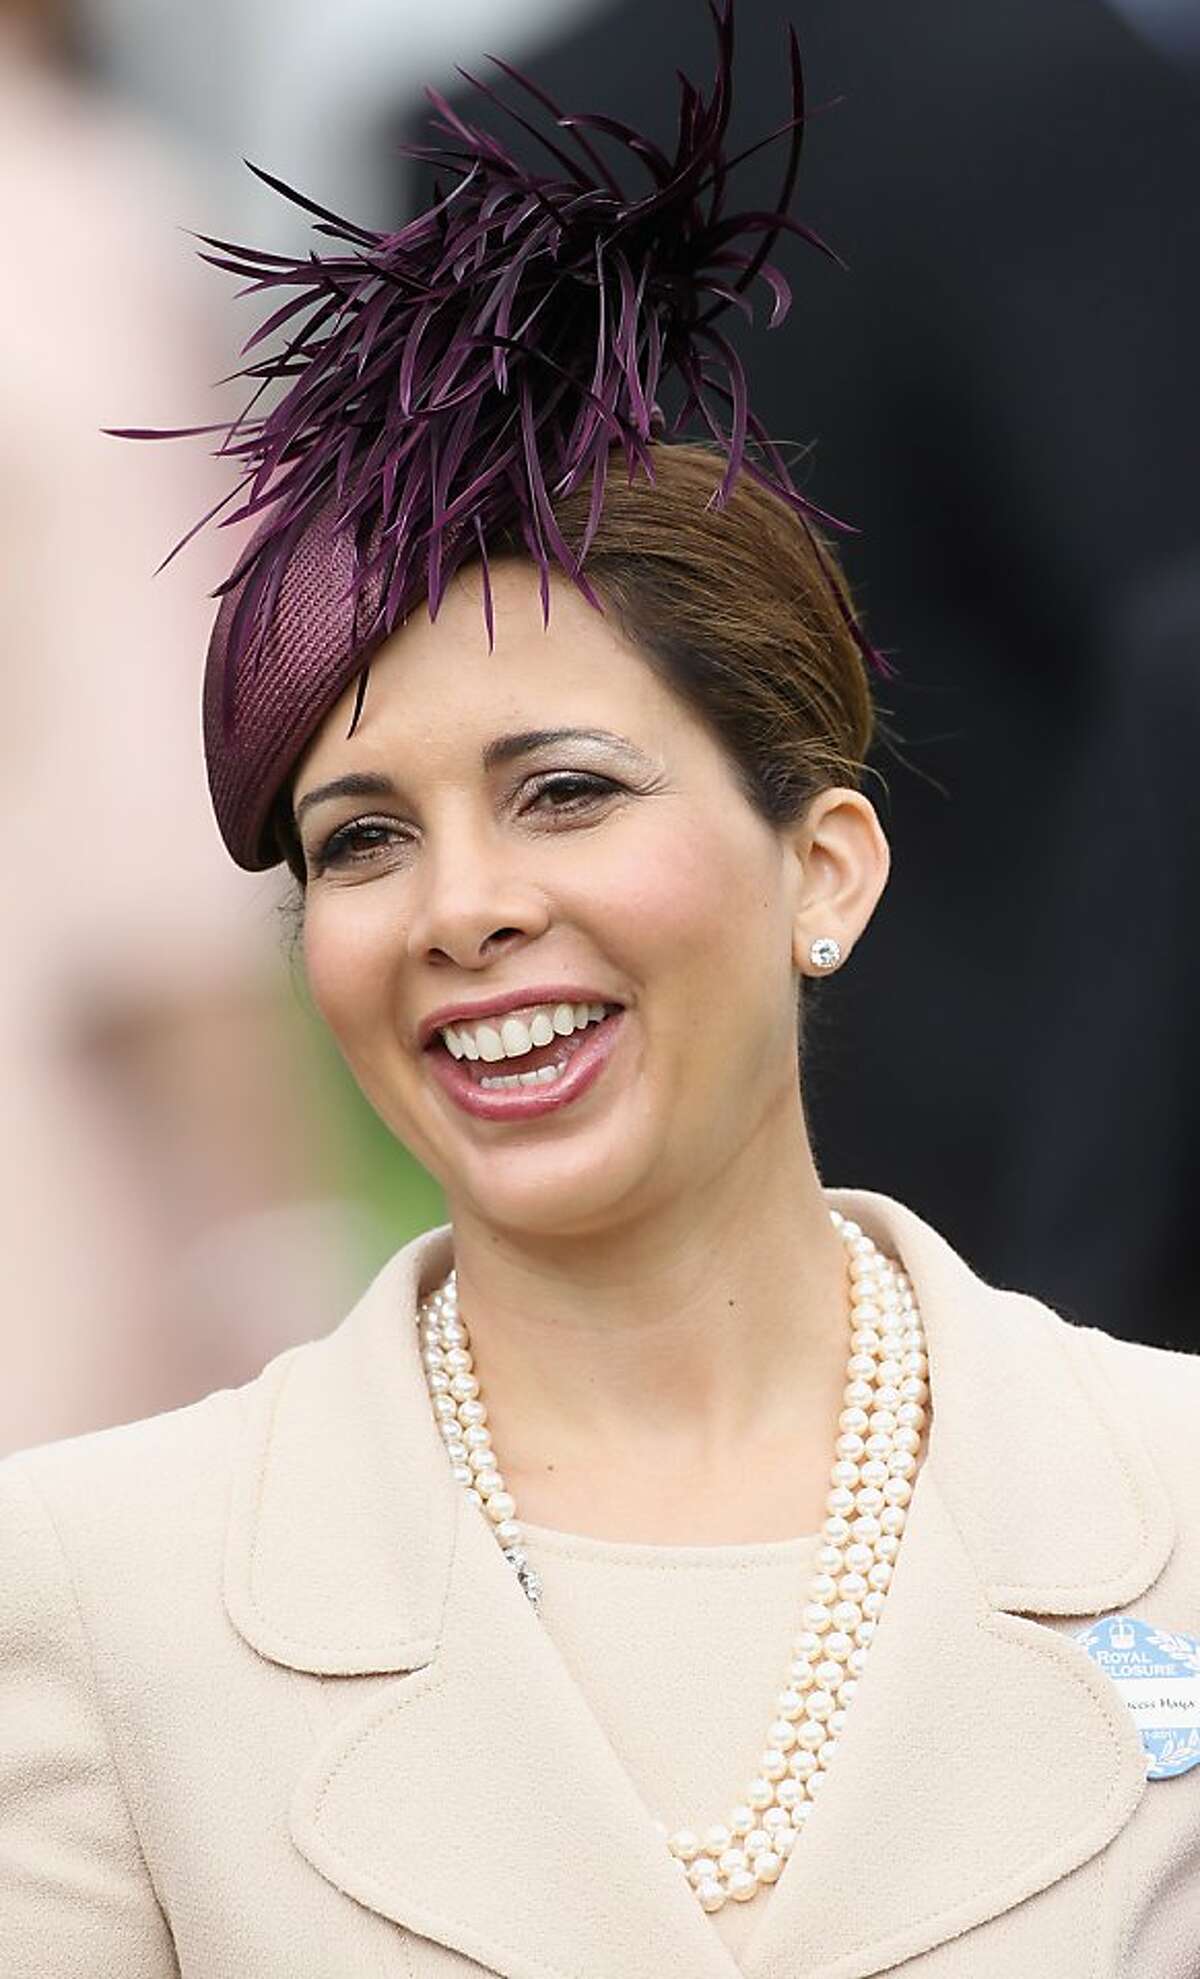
346, 963
684, 901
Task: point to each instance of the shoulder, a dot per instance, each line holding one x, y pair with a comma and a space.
139, 1505
1157, 1391
146, 1506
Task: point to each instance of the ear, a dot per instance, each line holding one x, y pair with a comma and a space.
842, 861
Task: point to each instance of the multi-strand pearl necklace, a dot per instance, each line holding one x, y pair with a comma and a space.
876, 1458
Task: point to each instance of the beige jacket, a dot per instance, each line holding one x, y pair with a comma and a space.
273, 1707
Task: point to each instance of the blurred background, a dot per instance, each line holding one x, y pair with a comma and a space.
999, 393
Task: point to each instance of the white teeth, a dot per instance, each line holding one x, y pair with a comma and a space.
515, 1038
512, 1037
543, 1077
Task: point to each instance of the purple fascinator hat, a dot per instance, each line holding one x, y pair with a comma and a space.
445, 385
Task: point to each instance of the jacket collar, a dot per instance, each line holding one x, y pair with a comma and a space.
351, 1553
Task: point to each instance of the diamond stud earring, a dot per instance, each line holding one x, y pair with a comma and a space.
825, 953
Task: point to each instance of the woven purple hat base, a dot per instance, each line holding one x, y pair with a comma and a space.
305, 662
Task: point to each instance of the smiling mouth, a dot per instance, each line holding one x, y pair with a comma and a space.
498, 1074
539, 1081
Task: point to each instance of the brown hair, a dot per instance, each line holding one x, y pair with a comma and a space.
742, 611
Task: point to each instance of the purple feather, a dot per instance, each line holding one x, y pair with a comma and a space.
452, 377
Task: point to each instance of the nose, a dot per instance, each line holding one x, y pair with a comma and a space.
471, 903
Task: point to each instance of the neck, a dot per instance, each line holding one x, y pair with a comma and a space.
685, 1348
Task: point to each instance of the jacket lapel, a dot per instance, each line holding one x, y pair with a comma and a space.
474, 1798
984, 1756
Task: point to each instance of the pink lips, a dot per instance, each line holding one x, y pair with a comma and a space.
586, 1054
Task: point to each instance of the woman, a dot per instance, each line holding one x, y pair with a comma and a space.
672, 1565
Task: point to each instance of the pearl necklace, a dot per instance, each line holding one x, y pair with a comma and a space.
875, 1460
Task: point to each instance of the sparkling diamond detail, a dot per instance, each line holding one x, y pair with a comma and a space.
826, 953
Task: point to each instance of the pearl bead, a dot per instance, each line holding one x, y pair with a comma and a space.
875, 1458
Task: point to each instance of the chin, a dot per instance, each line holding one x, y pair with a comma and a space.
546, 1191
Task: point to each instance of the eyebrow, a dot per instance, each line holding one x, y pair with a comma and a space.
504, 749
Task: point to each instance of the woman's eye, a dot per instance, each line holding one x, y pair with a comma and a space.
572, 792
353, 844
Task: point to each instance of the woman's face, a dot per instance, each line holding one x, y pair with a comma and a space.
614, 861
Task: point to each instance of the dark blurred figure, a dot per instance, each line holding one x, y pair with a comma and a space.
1001, 396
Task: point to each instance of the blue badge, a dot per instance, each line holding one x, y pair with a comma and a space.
1157, 1673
